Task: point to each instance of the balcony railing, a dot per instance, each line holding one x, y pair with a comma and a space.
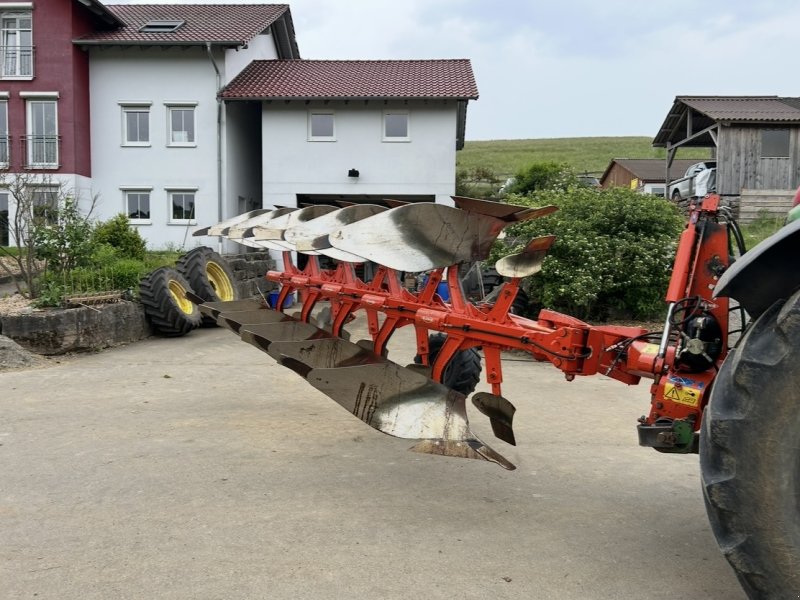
41, 151
17, 61
5, 154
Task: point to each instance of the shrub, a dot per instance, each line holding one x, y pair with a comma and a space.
543, 176
613, 254
118, 233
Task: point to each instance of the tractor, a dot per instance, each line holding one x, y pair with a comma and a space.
724, 370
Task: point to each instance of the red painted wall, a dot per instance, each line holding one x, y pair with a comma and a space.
59, 66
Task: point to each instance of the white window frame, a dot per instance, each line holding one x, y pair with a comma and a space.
36, 98
181, 106
136, 107
396, 138
17, 10
137, 189
180, 190
4, 133
321, 138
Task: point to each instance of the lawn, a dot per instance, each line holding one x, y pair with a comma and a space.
591, 154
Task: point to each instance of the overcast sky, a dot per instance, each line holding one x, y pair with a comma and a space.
568, 68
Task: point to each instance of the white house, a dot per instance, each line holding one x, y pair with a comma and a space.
162, 150
202, 112
358, 131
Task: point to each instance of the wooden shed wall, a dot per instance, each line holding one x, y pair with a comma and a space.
618, 176
740, 166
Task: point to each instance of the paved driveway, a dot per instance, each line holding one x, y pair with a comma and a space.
197, 468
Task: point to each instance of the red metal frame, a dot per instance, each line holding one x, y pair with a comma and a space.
575, 347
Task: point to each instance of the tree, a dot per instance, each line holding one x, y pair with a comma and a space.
47, 230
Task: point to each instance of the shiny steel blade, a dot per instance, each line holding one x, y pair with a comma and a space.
529, 261
213, 309
419, 237
219, 227
389, 398
500, 412
273, 230
236, 232
235, 320
308, 236
262, 336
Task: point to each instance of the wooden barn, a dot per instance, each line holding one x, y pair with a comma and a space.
755, 140
643, 174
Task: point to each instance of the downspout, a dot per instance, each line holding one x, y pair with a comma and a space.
219, 140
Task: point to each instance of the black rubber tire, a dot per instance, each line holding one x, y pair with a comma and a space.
750, 455
676, 196
463, 372
194, 266
521, 304
168, 315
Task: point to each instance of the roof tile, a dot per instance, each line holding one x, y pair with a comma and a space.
272, 79
214, 23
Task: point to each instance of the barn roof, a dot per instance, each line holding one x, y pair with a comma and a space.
651, 169
709, 110
329, 79
219, 24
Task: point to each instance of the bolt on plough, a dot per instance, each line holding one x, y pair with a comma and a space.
411, 401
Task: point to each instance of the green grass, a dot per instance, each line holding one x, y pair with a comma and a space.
592, 155
760, 229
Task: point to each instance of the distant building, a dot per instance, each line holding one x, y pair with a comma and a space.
756, 142
645, 175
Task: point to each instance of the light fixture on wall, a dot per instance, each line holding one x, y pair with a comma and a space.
353, 173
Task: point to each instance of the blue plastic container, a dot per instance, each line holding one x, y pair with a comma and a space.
443, 291
272, 298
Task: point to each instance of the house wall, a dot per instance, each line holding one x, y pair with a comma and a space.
740, 166
293, 165
158, 76
58, 67
261, 47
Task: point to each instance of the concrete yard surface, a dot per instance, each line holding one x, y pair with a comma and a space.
198, 468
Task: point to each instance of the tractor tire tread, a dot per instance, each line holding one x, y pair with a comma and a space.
160, 307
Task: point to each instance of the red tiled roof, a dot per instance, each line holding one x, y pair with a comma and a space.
265, 79
214, 23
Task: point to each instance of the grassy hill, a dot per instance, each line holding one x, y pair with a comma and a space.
590, 154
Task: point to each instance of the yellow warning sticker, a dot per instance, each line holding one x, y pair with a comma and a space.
650, 349
682, 395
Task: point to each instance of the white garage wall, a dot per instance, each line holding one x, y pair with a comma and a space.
293, 165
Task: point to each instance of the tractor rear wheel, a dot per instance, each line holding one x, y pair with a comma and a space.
463, 372
163, 295
210, 277
750, 455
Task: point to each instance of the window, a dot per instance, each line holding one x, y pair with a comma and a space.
136, 125
42, 138
321, 126
182, 206
167, 26
3, 218
181, 125
774, 143
45, 204
4, 154
137, 205
395, 126
17, 45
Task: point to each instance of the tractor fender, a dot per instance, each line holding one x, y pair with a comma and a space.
766, 273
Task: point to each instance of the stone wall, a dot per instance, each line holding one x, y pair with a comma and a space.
59, 331
249, 270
